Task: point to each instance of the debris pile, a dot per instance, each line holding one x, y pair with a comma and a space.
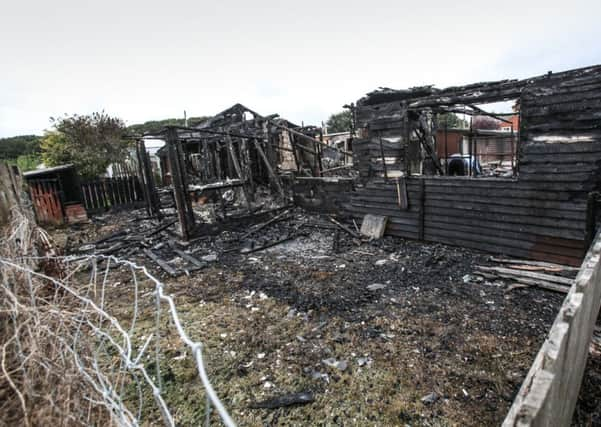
140, 237
337, 311
521, 274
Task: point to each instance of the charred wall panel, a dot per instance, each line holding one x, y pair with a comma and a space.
324, 195
543, 213
486, 214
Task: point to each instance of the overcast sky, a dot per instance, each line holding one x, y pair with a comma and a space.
144, 60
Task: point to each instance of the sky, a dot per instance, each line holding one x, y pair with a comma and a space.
146, 60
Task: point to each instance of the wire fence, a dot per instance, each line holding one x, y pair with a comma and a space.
84, 341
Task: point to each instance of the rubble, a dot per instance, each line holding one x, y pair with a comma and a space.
302, 398
291, 308
430, 398
290, 289
336, 364
376, 287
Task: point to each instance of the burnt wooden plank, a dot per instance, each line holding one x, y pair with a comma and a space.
574, 238
542, 243
500, 209
551, 223
190, 258
543, 228
160, 262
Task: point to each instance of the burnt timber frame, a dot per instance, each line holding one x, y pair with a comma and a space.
545, 212
180, 184
231, 150
151, 198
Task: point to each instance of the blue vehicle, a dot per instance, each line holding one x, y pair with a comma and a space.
462, 164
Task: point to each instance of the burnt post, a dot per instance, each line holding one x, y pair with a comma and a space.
180, 184
471, 139
422, 208
275, 179
238, 169
294, 153
139, 147
446, 147
407, 136
147, 180
383, 160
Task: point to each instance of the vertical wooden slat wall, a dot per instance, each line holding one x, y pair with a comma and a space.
46, 199
121, 191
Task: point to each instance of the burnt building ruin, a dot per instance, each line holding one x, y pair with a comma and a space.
405, 166
255, 214
545, 211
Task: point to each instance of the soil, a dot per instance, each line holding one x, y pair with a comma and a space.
422, 340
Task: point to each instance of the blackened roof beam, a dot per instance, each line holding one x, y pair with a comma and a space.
476, 93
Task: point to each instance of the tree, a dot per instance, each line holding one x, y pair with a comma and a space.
340, 122
450, 121
15, 146
27, 162
55, 149
90, 142
154, 126
485, 123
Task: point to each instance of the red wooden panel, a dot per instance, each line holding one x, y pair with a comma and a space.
46, 201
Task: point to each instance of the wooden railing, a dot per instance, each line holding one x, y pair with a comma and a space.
548, 394
106, 193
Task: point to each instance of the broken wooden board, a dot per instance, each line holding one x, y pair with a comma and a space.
551, 266
556, 287
401, 190
374, 226
535, 268
527, 274
191, 259
265, 224
344, 227
271, 244
285, 400
161, 262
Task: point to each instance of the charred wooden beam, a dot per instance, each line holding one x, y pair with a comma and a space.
191, 259
161, 262
180, 187
273, 176
238, 169
153, 204
265, 224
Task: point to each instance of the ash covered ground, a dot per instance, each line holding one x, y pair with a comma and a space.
387, 332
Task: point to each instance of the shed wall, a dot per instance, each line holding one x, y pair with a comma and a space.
542, 214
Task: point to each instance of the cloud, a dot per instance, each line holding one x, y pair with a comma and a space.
142, 60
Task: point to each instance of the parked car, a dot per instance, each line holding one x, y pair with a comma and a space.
461, 164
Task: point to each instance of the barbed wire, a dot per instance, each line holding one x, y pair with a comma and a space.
67, 321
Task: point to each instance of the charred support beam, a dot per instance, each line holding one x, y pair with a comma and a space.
274, 177
161, 262
139, 147
180, 185
401, 191
153, 206
424, 136
294, 153
383, 160
307, 137
238, 169
295, 132
247, 166
422, 208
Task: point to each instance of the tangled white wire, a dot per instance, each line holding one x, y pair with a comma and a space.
90, 316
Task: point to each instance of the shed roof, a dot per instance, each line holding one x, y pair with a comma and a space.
46, 171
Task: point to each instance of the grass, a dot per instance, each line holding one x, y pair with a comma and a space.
257, 346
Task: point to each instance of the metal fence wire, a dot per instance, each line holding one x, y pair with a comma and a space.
97, 327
